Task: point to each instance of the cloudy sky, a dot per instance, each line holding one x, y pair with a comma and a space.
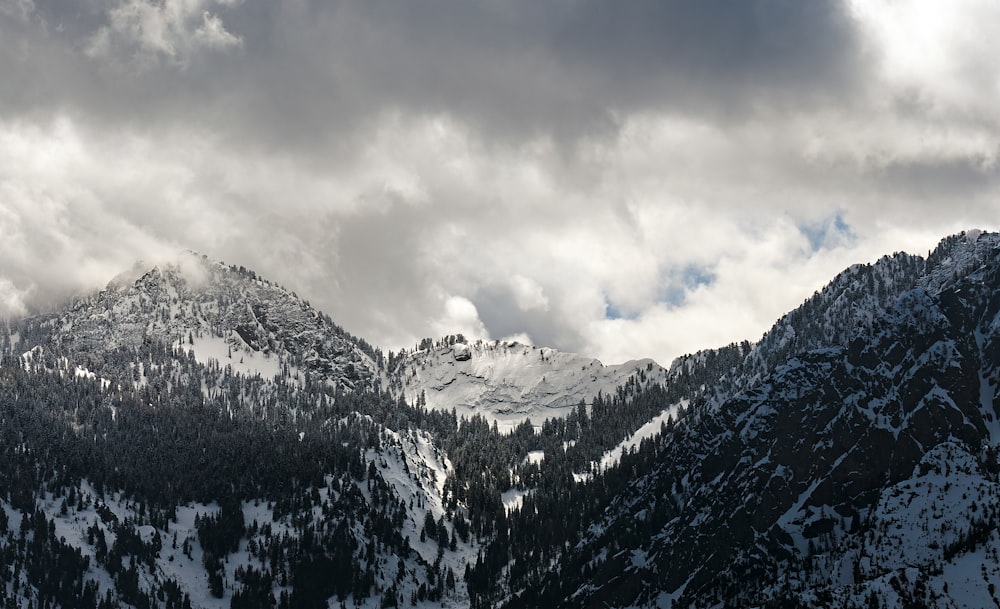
621, 179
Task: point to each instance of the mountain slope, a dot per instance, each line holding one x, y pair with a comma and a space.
196, 436
214, 310
508, 382
764, 497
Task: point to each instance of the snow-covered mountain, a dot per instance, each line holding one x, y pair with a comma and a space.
860, 471
509, 382
220, 444
215, 312
196, 436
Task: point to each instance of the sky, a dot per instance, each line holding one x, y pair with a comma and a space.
619, 179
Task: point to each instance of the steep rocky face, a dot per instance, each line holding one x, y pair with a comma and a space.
765, 496
508, 382
218, 312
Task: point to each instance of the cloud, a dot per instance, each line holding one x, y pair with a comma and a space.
940, 57
622, 180
528, 293
460, 317
312, 75
11, 300
172, 31
20, 10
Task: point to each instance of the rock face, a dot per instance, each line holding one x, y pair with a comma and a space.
461, 352
508, 382
226, 313
860, 471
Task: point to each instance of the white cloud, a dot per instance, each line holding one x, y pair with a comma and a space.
429, 231
940, 56
173, 31
212, 34
460, 317
407, 202
528, 292
11, 300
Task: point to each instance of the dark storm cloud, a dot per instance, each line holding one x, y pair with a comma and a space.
959, 178
493, 167
307, 74
648, 50
571, 66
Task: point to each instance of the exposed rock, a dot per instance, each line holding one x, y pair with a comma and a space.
461, 352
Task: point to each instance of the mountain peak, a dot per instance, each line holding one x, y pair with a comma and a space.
211, 311
957, 255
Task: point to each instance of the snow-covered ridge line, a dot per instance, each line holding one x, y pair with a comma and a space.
507, 382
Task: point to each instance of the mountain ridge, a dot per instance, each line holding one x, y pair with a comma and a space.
196, 436
924, 374
509, 382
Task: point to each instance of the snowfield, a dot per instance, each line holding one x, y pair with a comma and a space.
508, 382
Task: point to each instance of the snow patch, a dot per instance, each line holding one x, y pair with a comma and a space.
232, 352
649, 430
508, 382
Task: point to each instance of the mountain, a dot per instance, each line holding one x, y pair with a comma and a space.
861, 471
196, 436
508, 382
217, 312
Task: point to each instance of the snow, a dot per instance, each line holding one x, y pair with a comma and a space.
224, 316
231, 351
461, 352
912, 527
649, 430
535, 456
508, 382
964, 255
923, 514
190, 570
427, 468
795, 519
87, 374
513, 498
908, 530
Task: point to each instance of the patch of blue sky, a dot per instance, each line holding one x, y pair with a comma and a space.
613, 311
674, 287
827, 233
677, 284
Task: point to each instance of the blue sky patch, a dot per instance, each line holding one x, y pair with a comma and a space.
829, 232
676, 285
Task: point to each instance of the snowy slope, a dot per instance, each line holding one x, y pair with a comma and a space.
228, 314
408, 464
927, 542
850, 460
191, 341
646, 432
508, 382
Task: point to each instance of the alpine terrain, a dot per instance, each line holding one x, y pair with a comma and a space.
196, 436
